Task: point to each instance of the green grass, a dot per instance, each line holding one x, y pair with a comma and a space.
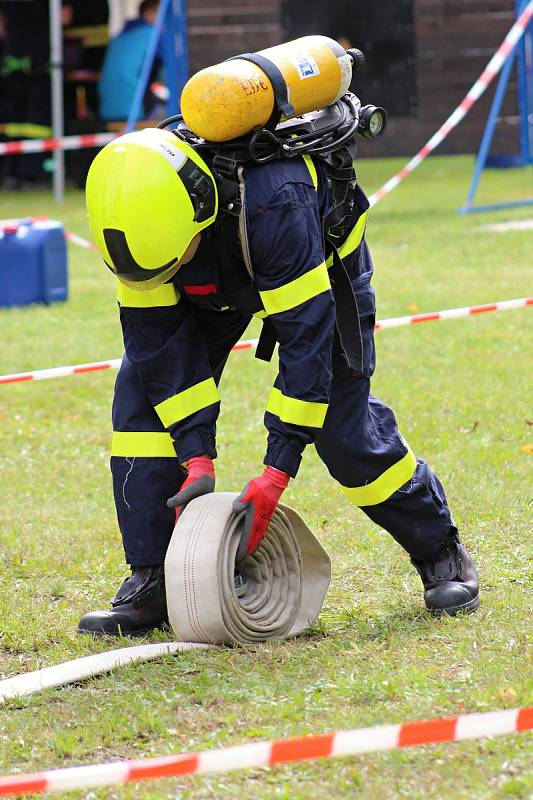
462, 391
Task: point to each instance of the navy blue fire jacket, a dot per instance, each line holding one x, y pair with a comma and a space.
286, 203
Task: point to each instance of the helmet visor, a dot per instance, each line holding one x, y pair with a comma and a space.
127, 270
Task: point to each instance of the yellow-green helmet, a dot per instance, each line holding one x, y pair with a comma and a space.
148, 195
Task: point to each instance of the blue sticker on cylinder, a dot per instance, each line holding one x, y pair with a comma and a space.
306, 65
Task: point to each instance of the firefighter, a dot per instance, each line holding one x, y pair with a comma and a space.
191, 273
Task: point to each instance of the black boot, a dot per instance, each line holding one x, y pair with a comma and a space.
450, 581
139, 606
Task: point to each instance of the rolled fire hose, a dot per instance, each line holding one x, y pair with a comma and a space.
284, 582
282, 588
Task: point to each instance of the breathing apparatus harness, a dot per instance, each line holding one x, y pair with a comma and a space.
329, 136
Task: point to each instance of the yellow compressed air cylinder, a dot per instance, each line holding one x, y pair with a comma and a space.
236, 97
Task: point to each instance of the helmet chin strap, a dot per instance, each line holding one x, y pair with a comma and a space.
191, 249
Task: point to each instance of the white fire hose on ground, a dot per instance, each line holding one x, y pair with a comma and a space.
283, 587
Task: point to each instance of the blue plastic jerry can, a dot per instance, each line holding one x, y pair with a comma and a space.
33, 262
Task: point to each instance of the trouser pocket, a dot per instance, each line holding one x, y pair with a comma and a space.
366, 310
356, 309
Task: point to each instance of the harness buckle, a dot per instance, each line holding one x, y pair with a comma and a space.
227, 166
233, 207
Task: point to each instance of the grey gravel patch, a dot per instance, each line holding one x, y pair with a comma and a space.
503, 227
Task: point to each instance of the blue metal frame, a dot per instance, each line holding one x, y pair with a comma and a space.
175, 52
523, 56
525, 90
170, 24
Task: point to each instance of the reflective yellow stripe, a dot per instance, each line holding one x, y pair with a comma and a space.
142, 444
166, 295
28, 130
296, 412
388, 482
297, 291
260, 315
353, 240
184, 403
312, 170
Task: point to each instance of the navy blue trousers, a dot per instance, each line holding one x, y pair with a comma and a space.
360, 444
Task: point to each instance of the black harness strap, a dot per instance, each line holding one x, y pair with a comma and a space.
267, 341
347, 314
282, 105
348, 322
241, 293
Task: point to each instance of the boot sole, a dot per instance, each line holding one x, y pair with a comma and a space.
467, 608
120, 634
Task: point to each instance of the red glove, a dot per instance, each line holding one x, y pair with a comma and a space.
200, 480
258, 501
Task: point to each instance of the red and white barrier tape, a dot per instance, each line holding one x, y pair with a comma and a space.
487, 76
453, 313
489, 73
281, 751
492, 69
95, 366
479, 87
75, 239
247, 344
71, 142
70, 237
49, 145
60, 372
